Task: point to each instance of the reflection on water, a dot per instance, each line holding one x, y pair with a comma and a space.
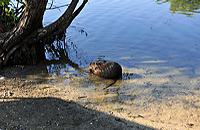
187, 7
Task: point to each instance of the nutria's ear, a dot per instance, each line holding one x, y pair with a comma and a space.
98, 62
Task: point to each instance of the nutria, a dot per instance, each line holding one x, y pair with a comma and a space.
110, 70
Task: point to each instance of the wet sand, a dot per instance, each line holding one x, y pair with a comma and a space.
34, 100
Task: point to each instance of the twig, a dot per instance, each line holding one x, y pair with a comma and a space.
56, 7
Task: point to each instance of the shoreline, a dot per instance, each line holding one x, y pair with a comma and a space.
172, 114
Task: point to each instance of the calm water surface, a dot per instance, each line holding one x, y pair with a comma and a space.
156, 42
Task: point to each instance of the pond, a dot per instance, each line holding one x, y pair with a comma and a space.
157, 43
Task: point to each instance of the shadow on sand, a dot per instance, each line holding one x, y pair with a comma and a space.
54, 113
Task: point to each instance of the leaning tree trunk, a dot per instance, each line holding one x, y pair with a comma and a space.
24, 44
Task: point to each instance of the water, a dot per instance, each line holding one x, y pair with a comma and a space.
157, 44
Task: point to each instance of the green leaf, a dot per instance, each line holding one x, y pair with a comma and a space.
6, 10
12, 10
2, 3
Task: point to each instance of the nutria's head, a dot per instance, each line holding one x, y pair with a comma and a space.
94, 66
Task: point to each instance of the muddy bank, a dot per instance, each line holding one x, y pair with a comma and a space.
27, 104
33, 99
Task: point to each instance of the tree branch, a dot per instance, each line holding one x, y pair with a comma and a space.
25, 26
29, 30
64, 21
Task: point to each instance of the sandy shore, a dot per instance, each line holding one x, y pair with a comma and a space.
31, 101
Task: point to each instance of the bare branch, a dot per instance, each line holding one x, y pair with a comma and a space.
57, 7
29, 31
26, 23
65, 19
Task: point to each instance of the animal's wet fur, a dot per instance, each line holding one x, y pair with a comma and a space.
110, 70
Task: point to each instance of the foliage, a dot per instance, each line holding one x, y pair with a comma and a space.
24, 42
187, 7
11, 10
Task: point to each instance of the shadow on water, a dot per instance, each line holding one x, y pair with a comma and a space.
186, 7
59, 64
147, 82
67, 64
129, 76
107, 83
55, 113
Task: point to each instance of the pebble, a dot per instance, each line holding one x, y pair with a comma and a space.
2, 77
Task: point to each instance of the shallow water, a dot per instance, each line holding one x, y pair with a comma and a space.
157, 44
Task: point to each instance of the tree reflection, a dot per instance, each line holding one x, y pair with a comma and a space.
58, 55
187, 7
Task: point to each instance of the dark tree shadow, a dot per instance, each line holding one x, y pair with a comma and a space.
54, 113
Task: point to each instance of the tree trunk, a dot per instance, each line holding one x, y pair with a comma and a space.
24, 44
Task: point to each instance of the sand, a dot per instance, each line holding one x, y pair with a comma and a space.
32, 100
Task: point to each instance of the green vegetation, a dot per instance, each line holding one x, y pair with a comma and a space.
10, 12
187, 7
4, 2
120, 109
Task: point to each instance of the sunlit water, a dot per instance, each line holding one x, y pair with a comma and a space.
158, 48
